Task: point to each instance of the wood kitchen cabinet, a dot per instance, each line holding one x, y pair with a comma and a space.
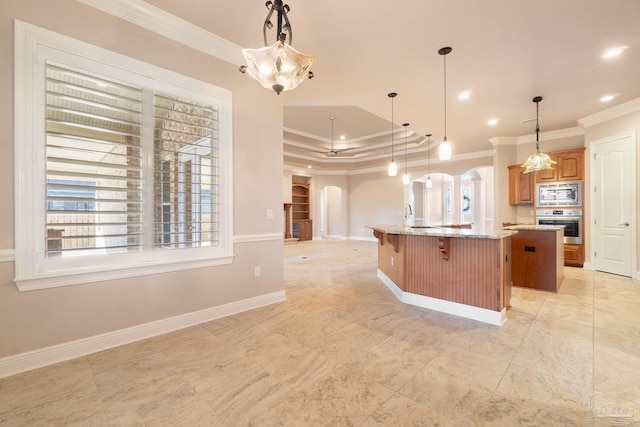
521, 188
569, 167
305, 229
573, 255
537, 257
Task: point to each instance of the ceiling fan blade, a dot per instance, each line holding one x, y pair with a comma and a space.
334, 153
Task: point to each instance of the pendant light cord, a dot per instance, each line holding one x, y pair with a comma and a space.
537, 128
405, 146
332, 133
392, 129
445, 97
428, 157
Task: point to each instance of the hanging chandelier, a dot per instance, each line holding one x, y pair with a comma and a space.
393, 168
405, 178
445, 146
279, 67
538, 161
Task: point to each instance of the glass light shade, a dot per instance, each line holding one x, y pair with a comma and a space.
405, 179
279, 66
538, 162
445, 150
429, 183
393, 169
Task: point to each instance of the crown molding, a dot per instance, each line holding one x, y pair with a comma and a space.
544, 136
167, 25
551, 135
503, 140
629, 107
383, 168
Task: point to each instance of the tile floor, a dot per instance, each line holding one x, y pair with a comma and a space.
342, 351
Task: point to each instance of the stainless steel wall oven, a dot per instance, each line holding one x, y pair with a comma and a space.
570, 218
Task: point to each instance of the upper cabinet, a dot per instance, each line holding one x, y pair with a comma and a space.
521, 191
569, 167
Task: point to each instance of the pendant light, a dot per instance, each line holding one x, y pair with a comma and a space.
445, 146
405, 177
429, 182
393, 168
279, 67
538, 161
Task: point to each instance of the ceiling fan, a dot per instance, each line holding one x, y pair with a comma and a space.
333, 152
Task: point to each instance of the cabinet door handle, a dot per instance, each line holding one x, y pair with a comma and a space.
626, 224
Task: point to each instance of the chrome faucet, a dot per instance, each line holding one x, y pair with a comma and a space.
407, 211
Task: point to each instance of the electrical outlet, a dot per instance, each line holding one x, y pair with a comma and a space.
269, 213
256, 272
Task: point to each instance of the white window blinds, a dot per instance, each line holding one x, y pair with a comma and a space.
93, 163
94, 174
185, 173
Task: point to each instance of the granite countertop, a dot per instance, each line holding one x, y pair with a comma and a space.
534, 227
443, 231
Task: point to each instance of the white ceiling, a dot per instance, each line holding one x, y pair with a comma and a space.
504, 51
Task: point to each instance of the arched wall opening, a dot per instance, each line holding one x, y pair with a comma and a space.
460, 199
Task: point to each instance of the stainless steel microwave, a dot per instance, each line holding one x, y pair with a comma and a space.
559, 194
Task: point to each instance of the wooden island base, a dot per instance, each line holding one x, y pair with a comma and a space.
459, 272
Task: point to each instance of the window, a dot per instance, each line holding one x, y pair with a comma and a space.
122, 168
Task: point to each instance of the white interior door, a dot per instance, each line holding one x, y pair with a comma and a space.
613, 204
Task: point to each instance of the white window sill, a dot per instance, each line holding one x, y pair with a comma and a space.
57, 280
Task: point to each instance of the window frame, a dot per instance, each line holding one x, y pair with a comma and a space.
33, 47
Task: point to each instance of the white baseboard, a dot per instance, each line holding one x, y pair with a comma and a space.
591, 266
22, 362
468, 311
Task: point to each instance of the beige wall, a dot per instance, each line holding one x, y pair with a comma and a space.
374, 199
36, 319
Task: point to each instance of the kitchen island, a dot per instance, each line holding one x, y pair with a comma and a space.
538, 256
460, 271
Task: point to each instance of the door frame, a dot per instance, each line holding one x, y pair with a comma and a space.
592, 214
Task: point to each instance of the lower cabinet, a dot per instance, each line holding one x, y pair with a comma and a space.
537, 259
303, 229
573, 255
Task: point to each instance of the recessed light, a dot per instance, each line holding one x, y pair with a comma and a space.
607, 98
464, 95
614, 52
342, 137
309, 167
492, 122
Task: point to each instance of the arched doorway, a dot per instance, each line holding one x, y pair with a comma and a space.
465, 198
